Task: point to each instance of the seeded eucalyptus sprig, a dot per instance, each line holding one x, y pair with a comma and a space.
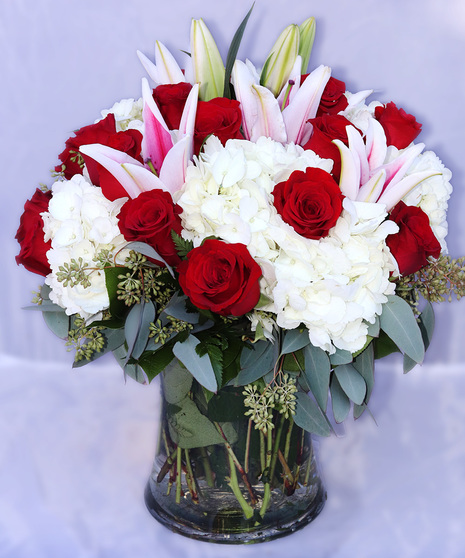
85, 340
440, 279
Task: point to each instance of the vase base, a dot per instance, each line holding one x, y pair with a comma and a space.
218, 530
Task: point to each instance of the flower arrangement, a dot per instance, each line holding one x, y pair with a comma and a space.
260, 237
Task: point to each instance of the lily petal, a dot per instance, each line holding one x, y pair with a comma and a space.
305, 105
157, 139
290, 88
349, 182
307, 32
207, 63
186, 126
173, 171
356, 145
243, 79
169, 71
270, 122
372, 189
281, 59
393, 194
149, 67
376, 146
396, 169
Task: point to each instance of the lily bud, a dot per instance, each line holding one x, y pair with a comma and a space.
307, 36
206, 61
281, 60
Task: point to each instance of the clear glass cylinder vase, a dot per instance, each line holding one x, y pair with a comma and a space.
219, 479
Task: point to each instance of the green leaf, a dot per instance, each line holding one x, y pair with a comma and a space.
189, 428
136, 327
227, 405
114, 338
182, 246
58, 322
255, 363
426, 323
200, 367
398, 321
177, 309
177, 382
339, 400
373, 329
351, 382
384, 346
132, 370
294, 340
232, 53
309, 417
340, 357
365, 365
149, 251
117, 307
154, 362
317, 373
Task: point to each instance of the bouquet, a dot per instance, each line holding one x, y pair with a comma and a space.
257, 236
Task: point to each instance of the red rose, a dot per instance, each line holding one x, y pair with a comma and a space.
221, 117
415, 241
170, 100
30, 235
221, 277
400, 128
309, 201
333, 99
327, 128
150, 218
103, 132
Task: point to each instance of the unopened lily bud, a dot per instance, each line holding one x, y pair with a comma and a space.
206, 61
307, 36
281, 60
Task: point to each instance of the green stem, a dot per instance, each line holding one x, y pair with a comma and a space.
178, 476
262, 451
247, 447
166, 466
244, 476
190, 478
309, 466
277, 440
288, 438
234, 485
267, 492
207, 468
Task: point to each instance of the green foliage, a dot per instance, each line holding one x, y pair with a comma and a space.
339, 400
182, 246
309, 416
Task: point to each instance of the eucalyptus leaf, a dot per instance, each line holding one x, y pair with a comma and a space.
118, 308
136, 327
45, 306
58, 322
177, 382
114, 338
426, 323
294, 340
177, 309
398, 321
200, 367
339, 401
365, 365
340, 357
149, 251
132, 370
255, 363
317, 373
351, 382
309, 417
373, 329
189, 428
227, 405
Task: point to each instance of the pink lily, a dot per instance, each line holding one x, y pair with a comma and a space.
165, 154
165, 70
365, 176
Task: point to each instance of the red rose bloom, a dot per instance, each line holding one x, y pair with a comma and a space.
327, 128
415, 241
150, 218
333, 99
170, 99
221, 117
30, 235
309, 201
103, 132
221, 277
400, 128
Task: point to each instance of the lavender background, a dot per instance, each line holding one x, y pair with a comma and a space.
75, 447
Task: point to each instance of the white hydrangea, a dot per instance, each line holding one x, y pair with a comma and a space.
81, 222
432, 195
128, 114
335, 285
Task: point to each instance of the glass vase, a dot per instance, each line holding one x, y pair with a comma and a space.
218, 478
